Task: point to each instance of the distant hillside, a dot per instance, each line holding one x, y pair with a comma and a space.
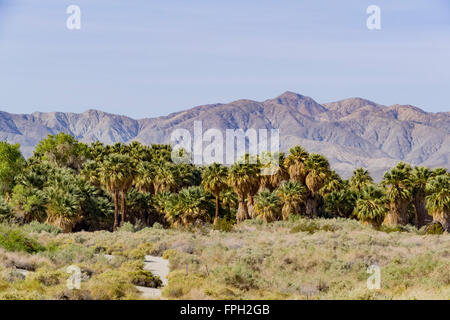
351, 133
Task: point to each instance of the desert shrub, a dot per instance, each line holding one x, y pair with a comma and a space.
38, 227
22, 260
311, 227
67, 294
417, 270
127, 227
224, 225
157, 226
111, 285
12, 275
180, 284
142, 250
69, 253
174, 291
145, 278
179, 259
169, 254
389, 229
14, 239
49, 277
434, 228
132, 265
17, 294
240, 276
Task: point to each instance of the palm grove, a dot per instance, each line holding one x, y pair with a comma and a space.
76, 186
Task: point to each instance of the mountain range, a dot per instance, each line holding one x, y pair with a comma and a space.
351, 133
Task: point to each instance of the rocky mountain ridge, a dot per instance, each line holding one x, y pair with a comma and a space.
351, 133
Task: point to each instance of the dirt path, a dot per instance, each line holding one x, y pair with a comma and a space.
158, 267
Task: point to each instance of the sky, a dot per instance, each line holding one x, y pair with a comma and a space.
147, 58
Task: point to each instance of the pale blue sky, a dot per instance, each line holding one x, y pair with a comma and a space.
147, 58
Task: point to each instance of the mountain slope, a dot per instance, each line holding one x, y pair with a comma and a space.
351, 133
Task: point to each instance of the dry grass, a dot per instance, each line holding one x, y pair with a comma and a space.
326, 259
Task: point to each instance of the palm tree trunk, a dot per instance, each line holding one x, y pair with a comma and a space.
288, 209
116, 210
423, 218
250, 210
398, 214
242, 212
312, 206
297, 172
444, 219
216, 219
123, 206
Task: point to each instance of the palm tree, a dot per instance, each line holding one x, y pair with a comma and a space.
267, 206
139, 152
372, 206
193, 205
214, 179
129, 174
438, 172
438, 199
63, 209
113, 173
333, 183
229, 200
171, 209
295, 163
282, 174
318, 170
273, 170
90, 171
360, 179
292, 194
145, 175
165, 178
186, 175
340, 203
398, 184
243, 177
420, 176
161, 202
64, 199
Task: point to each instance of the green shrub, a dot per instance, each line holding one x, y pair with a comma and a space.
311, 227
14, 239
157, 225
142, 250
38, 227
434, 228
240, 277
389, 229
111, 285
12, 275
224, 225
127, 227
49, 277
5, 211
145, 278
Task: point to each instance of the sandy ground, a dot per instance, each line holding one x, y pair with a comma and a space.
158, 267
